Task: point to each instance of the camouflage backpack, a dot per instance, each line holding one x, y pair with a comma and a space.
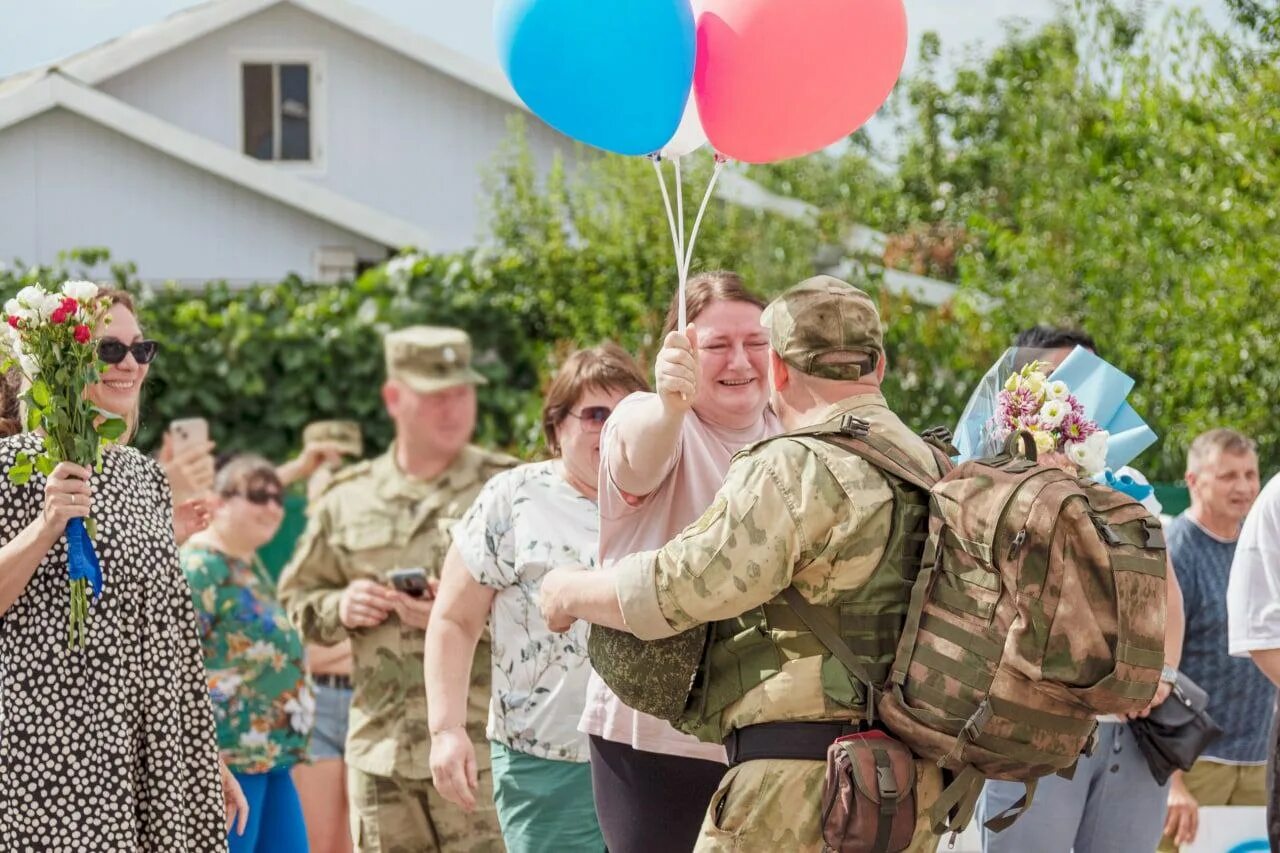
1040, 605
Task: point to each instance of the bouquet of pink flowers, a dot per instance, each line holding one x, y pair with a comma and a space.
49, 337
1030, 402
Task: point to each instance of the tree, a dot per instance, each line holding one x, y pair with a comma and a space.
1119, 175
1260, 16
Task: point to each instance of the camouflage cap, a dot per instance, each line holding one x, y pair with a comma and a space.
822, 317
345, 434
430, 358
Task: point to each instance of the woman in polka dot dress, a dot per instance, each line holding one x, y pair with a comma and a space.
112, 747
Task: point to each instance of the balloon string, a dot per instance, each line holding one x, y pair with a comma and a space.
697, 223
682, 264
677, 241
680, 206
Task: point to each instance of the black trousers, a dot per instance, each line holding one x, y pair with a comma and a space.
648, 802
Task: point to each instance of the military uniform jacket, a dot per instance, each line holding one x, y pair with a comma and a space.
371, 521
792, 511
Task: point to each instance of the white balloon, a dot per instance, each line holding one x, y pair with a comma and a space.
689, 136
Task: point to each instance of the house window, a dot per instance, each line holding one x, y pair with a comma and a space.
334, 265
276, 99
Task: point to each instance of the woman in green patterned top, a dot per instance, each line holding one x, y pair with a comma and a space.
253, 656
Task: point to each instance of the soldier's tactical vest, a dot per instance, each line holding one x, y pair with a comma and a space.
689, 679
742, 653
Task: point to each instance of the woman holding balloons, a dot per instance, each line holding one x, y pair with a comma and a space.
663, 457
760, 81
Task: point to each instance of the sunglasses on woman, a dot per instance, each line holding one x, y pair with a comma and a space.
262, 497
593, 417
114, 350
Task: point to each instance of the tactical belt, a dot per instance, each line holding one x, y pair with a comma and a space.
790, 741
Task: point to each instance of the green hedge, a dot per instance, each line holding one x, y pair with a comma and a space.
262, 362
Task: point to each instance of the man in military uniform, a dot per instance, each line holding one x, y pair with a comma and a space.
391, 513
795, 511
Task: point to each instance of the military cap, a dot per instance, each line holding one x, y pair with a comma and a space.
822, 317
346, 434
430, 358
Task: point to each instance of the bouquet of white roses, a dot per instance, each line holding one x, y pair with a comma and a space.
50, 341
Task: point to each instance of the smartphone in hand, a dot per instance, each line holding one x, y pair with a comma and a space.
188, 433
412, 582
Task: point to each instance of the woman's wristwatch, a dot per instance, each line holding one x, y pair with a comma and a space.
1169, 674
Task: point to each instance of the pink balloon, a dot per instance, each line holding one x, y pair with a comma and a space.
783, 78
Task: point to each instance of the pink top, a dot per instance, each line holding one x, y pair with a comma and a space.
701, 460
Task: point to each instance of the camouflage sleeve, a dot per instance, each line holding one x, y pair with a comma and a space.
760, 529
312, 583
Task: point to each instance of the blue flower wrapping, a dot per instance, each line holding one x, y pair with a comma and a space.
82, 558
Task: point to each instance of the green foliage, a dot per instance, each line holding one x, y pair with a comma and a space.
1119, 175
262, 362
1260, 16
593, 250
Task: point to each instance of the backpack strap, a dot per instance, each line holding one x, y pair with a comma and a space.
955, 806
854, 435
830, 638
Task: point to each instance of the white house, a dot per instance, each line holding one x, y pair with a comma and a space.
245, 139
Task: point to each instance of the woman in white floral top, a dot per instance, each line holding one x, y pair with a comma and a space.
525, 522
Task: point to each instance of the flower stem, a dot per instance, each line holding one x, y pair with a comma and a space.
77, 631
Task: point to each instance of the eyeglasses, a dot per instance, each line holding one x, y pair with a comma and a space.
592, 417
114, 350
262, 497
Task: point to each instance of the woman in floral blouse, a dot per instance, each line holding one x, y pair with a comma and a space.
525, 522
253, 656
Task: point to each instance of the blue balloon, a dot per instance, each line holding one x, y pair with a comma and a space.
614, 74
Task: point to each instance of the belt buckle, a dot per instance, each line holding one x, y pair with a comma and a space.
731, 748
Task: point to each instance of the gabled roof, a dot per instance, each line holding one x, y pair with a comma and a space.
54, 89
114, 57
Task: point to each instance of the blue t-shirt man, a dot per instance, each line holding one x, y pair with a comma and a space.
1241, 698
1222, 475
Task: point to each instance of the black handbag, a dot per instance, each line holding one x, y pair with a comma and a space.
1177, 731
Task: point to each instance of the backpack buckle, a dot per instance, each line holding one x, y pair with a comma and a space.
886, 782
938, 433
1104, 530
855, 427
941, 438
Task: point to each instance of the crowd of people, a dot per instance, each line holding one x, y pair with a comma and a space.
421, 676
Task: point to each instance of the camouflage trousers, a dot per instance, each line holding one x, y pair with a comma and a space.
774, 805
394, 815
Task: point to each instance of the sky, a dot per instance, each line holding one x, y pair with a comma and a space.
35, 32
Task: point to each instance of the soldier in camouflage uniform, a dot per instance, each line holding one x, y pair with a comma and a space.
394, 512
793, 512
